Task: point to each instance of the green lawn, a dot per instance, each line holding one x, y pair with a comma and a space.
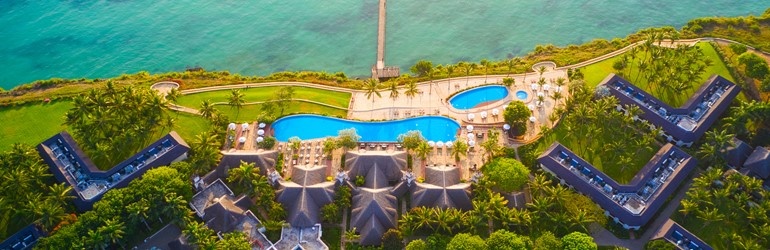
189, 125
334, 98
595, 73
249, 113
31, 123
612, 169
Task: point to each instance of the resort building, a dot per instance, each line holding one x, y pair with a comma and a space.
680, 237
70, 165
442, 188
632, 204
305, 194
682, 125
222, 212
374, 204
24, 239
753, 162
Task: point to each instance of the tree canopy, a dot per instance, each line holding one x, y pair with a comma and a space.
348, 138
578, 241
422, 68
417, 244
507, 174
546, 241
516, 114
756, 67
466, 241
113, 123
411, 139
504, 240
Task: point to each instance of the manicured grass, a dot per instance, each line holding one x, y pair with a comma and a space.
595, 73
31, 123
612, 169
250, 113
189, 125
257, 94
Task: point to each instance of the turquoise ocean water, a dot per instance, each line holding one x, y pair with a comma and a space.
84, 38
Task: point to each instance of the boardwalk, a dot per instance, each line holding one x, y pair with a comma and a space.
381, 37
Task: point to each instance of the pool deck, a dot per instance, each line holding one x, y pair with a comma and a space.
433, 101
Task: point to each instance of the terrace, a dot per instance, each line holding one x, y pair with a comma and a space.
69, 164
632, 205
682, 125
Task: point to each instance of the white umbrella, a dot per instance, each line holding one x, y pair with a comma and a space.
495, 111
262, 125
449, 144
531, 107
431, 143
533, 86
471, 143
532, 119
546, 87
506, 126
260, 139
469, 128
558, 88
470, 135
440, 144
471, 116
242, 139
483, 114
245, 126
231, 126
261, 132
540, 94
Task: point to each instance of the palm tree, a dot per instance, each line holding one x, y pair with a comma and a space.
95, 240
411, 90
113, 231
556, 96
236, 100
137, 212
372, 88
198, 234
243, 176
204, 152
207, 109
486, 64
541, 70
423, 150
173, 95
459, 149
511, 64
393, 87
449, 70
60, 193
351, 235
539, 184
48, 211
710, 216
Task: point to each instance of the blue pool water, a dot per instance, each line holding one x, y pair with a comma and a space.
306, 127
521, 94
473, 97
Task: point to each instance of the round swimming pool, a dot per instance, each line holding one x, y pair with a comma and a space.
306, 127
522, 95
474, 97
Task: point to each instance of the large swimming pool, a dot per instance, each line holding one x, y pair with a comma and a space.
433, 128
473, 97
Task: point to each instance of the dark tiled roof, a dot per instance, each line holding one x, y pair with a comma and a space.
305, 194
69, 164
633, 204
378, 167
374, 213
687, 123
25, 238
442, 188
264, 160
738, 153
680, 237
223, 213
759, 162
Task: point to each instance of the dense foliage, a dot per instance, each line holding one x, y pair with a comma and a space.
516, 115
159, 197
504, 240
578, 241
506, 174
27, 192
464, 241
732, 207
113, 124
